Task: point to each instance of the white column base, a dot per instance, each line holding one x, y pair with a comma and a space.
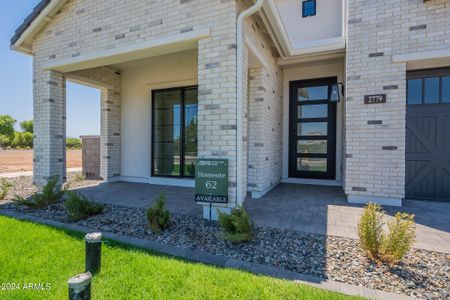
379, 200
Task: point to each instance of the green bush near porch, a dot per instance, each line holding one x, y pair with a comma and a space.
51, 194
237, 226
32, 253
80, 207
158, 216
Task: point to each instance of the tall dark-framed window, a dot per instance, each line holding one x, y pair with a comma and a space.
174, 131
430, 86
309, 8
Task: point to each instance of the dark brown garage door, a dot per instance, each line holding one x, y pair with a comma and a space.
428, 135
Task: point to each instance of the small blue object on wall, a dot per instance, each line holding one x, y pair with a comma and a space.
309, 8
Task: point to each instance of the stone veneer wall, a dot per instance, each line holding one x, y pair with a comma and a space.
377, 30
83, 27
90, 156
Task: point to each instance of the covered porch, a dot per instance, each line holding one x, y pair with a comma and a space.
321, 210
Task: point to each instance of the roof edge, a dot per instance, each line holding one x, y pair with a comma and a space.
28, 20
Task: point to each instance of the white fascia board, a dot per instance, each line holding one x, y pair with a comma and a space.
151, 48
274, 18
332, 44
417, 56
311, 57
21, 44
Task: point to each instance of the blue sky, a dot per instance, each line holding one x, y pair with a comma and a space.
16, 83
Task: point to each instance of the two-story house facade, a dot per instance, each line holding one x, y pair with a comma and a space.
350, 93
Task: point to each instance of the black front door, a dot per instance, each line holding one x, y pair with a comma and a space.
312, 145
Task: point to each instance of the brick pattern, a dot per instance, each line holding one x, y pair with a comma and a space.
91, 156
83, 27
375, 153
265, 113
49, 89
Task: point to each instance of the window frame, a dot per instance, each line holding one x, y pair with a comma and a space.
182, 90
304, 3
426, 74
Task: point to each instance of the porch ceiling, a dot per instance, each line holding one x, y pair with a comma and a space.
152, 48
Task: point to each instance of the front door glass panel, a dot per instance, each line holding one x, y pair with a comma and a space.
313, 130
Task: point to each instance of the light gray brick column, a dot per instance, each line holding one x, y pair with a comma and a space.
375, 154
217, 97
110, 134
49, 89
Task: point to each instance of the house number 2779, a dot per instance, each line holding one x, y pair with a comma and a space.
211, 185
374, 99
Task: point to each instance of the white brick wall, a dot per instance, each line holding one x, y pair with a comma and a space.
377, 30
265, 107
84, 27
49, 89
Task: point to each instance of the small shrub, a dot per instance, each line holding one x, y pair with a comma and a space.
158, 216
80, 207
387, 247
79, 177
237, 226
400, 238
51, 194
370, 230
5, 185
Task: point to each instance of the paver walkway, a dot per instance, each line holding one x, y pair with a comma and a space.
325, 210
180, 200
307, 208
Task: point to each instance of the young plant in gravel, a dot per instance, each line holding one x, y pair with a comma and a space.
387, 247
79, 177
370, 230
237, 226
158, 216
400, 239
5, 185
79, 207
51, 194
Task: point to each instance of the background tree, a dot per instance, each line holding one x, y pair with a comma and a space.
73, 143
6, 130
27, 126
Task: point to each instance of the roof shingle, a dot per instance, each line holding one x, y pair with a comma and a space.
29, 19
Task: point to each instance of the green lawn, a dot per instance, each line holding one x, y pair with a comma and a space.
31, 253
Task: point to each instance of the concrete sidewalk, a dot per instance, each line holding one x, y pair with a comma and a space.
30, 173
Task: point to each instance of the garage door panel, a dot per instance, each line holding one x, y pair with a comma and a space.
447, 132
415, 167
426, 128
425, 187
428, 134
428, 152
414, 144
445, 181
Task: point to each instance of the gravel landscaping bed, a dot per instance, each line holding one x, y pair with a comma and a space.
23, 186
423, 274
